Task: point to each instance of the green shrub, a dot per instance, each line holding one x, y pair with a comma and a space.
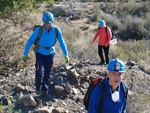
113, 22
111, 0
108, 8
96, 15
21, 4
139, 10
133, 28
1, 107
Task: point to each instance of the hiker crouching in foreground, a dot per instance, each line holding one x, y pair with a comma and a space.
105, 35
116, 91
45, 51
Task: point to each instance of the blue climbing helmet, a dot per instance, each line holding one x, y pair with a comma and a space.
116, 65
101, 23
48, 17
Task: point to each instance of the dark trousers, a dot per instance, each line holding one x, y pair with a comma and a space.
106, 51
45, 61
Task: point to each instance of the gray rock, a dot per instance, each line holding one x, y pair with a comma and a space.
79, 65
68, 89
19, 88
74, 73
58, 89
58, 80
75, 91
29, 101
59, 110
44, 110
38, 100
131, 63
67, 67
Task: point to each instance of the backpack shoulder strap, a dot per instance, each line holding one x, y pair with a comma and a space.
103, 92
124, 91
40, 33
106, 29
86, 99
39, 36
56, 32
99, 29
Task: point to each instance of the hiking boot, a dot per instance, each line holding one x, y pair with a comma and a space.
38, 91
101, 63
44, 93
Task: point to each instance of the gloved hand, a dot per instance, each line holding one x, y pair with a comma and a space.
67, 58
25, 57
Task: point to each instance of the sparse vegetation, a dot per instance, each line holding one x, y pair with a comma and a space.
133, 50
21, 4
1, 107
131, 23
96, 15
131, 26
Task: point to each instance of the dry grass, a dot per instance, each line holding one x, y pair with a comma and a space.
112, 21
79, 44
96, 13
132, 23
140, 8
137, 51
15, 32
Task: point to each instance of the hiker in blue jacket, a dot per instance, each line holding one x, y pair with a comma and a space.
45, 51
115, 101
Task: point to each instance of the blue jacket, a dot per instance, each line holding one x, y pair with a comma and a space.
108, 106
47, 39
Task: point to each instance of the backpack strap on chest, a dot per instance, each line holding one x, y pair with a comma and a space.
103, 93
56, 32
124, 91
39, 37
106, 32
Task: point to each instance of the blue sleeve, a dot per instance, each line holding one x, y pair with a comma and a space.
125, 105
62, 42
30, 41
94, 100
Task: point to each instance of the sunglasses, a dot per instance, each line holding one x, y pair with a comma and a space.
48, 22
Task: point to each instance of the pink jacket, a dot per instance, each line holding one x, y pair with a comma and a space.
104, 38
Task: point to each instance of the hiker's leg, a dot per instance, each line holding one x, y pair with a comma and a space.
48, 65
100, 52
39, 69
106, 50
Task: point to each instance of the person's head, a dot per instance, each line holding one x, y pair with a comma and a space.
116, 69
101, 23
48, 18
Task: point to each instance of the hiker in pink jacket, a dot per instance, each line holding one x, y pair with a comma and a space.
105, 35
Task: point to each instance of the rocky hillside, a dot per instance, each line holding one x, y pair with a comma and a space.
68, 82
68, 85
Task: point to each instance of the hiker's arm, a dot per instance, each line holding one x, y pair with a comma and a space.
109, 34
96, 35
94, 100
125, 105
62, 42
30, 41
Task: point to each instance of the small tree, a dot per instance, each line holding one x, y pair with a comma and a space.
73, 8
